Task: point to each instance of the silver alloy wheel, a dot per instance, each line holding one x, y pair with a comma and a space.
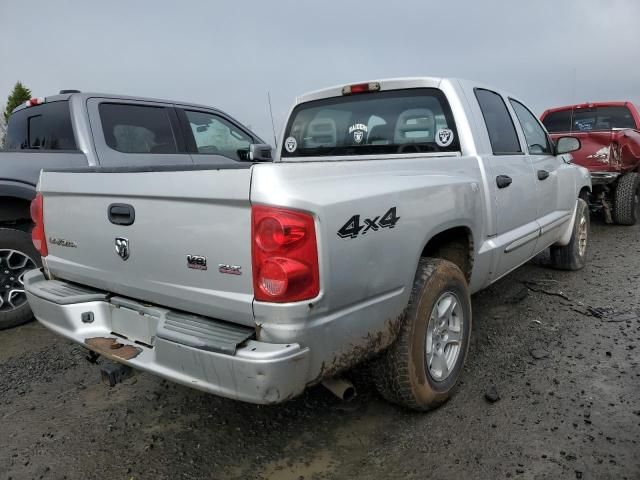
583, 234
444, 336
13, 265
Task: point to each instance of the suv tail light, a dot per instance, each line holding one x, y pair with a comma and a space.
284, 255
37, 234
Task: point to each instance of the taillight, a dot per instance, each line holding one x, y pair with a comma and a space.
284, 255
615, 153
37, 234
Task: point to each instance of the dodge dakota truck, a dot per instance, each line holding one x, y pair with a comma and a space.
67, 131
610, 136
389, 203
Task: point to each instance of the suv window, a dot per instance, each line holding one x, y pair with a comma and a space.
537, 139
42, 127
387, 122
502, 132
214, 135
137, 128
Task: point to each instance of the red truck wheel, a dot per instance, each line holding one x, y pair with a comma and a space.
626, 205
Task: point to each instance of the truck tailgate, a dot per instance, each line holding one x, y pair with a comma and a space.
187, 225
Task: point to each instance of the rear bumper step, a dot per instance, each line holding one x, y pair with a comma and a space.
63, 293
204, 334
210, 355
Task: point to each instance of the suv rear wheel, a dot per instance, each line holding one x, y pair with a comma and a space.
17, 256
420, 370
626, 205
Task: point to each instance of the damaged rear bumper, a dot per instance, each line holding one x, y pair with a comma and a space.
207, 354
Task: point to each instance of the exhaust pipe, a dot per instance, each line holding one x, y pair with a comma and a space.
343, 389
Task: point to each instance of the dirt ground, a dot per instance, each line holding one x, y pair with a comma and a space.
562, 349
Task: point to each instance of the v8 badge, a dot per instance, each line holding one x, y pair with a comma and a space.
353, 227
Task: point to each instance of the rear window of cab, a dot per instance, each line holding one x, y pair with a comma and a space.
589, 119
388, 122
43, 127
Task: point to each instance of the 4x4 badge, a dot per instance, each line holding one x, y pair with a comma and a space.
122, 247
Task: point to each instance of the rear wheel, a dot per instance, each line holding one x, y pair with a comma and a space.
17, 256
421, 369
626, 205
573, 256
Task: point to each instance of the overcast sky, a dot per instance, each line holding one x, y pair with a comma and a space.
229, 54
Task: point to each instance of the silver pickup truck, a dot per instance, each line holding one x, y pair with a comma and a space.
389, 204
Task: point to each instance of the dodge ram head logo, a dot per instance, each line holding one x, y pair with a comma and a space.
122, 247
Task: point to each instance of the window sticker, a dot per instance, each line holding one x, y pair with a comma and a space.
444, 137
290, 144
358, 130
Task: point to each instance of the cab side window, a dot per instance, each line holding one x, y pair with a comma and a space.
132, 128
215, 135
502, 132
537, 139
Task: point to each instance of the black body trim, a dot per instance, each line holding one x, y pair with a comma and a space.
152, 168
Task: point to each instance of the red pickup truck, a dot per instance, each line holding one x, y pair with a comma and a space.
610, 136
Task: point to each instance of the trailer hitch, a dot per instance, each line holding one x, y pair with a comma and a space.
112, 373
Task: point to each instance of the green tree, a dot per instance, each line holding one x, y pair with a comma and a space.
18, 95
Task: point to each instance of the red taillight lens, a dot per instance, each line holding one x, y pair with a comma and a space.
37, 234
285, 255
272, 234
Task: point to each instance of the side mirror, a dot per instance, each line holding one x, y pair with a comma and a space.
567, 145
260, 152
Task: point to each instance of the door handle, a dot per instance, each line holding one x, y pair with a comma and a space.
503, 181
121, 214
543, 174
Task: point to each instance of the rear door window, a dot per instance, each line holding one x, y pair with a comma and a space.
387, 122
42, 127
502, 132
137, 128
213, 134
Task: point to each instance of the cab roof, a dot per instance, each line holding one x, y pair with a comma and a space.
385, 84
87, 95
398, 84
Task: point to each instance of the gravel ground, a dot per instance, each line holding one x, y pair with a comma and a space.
560, 350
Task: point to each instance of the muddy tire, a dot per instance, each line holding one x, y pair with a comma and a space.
421, 368
626, 204
17, 255
573, 256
